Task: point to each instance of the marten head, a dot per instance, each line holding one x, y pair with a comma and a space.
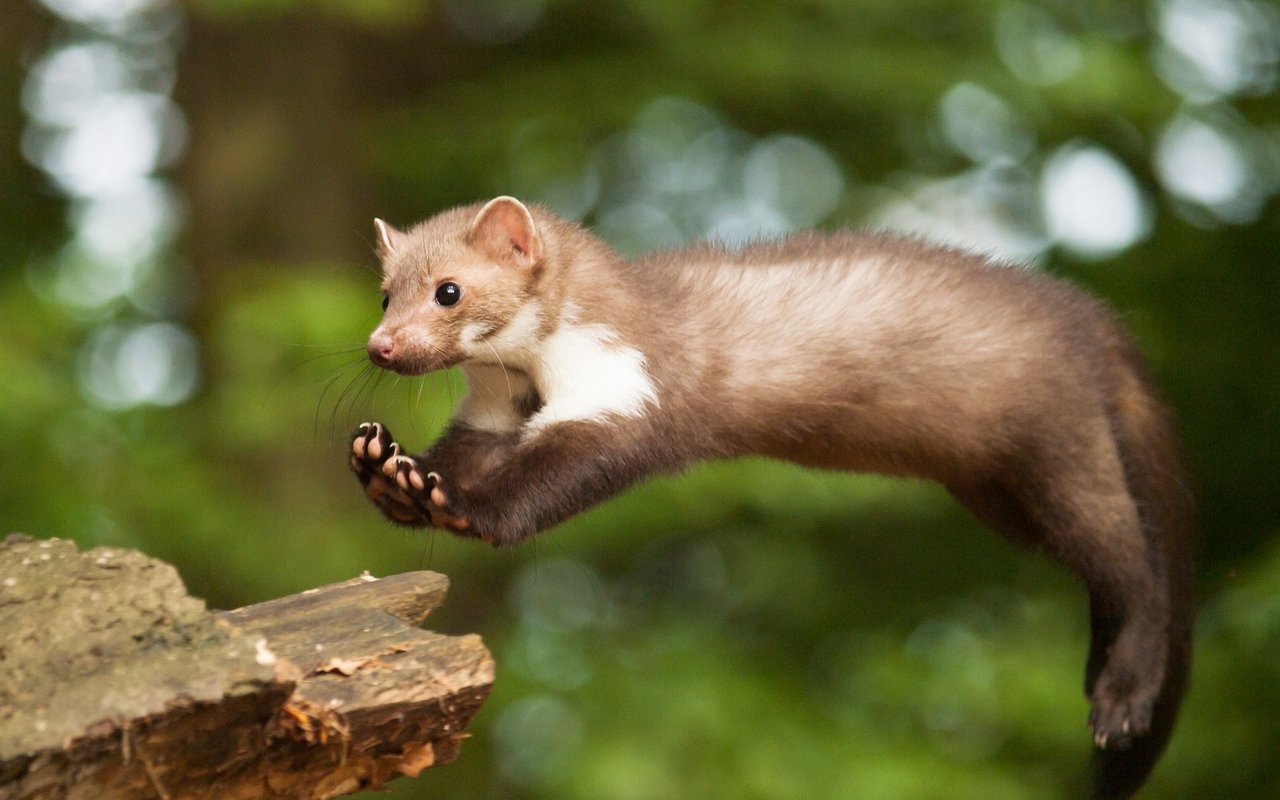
459, 287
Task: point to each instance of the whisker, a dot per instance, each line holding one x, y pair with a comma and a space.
428, 549
373, 248
348, 354
366, 390
448, 387
505, 375
315, 433
512, 345
363, 375
373, 390
341, 349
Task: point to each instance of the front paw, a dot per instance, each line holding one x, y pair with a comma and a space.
398, 484
384, 472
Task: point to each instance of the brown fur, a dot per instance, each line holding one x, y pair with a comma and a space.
849, 351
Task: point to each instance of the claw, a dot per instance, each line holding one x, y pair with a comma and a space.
437, 494
391, 467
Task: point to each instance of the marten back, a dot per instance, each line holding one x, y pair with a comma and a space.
889, 354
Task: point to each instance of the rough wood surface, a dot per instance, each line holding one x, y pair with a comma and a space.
114, 683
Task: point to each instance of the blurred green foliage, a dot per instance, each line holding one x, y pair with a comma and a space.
747, 629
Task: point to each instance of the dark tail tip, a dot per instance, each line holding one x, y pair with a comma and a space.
1119, 773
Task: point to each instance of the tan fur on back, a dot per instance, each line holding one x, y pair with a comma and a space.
907, 358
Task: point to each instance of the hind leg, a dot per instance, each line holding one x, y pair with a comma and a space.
1086, 519
1090, 524
1003, 511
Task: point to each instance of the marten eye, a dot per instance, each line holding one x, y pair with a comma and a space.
448, 293
386, 301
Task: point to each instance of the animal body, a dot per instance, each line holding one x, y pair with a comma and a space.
588, 372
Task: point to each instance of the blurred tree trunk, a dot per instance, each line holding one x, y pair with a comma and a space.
33, 215
277, 167
272, 169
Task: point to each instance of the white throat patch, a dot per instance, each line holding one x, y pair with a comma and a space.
581, 373
586, 373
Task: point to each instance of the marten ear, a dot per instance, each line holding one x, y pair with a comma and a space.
389, 239
504, 227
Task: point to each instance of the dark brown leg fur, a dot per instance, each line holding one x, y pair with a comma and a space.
1079, 510
533, 485
494, 486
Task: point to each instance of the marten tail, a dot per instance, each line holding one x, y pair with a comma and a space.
1152, 460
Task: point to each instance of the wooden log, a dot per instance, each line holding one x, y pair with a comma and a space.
115, 683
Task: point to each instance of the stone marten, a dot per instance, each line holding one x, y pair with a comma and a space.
588, 372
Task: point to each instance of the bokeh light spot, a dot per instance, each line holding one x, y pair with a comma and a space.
149, 364
1091, 204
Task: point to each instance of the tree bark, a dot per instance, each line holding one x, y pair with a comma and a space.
114, 683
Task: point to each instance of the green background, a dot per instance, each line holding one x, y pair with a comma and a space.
747, 629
